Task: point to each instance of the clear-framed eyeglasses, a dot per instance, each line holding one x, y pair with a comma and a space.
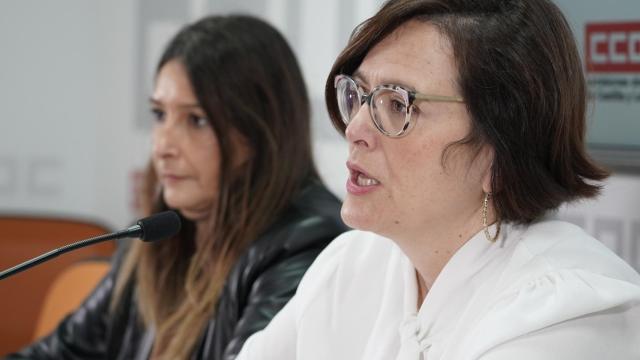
391, 106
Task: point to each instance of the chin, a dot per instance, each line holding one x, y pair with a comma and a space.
178, 204
357, 217
172, 202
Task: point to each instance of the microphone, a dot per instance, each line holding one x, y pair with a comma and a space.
155, 227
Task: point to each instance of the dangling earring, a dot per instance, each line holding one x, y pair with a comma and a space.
485, 207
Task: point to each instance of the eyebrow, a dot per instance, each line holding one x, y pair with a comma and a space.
358, 74
360, 77
195, 106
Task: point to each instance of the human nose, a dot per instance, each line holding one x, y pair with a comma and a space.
360, 130
165, 139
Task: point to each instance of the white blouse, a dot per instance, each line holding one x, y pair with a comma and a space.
546, 291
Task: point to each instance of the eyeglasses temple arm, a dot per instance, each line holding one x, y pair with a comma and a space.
439, 98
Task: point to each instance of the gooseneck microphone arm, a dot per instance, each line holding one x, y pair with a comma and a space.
152, 228
53, 253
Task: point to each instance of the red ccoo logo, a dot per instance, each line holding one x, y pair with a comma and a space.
612, 47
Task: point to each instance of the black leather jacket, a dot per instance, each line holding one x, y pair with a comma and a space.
260, 283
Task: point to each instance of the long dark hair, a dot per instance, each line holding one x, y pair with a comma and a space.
247, 80
520, 74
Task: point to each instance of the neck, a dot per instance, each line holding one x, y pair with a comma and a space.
432, 248
204, 230
430, 257
203, 220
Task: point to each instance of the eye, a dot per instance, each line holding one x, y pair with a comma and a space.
198, 121
352, 96
157, 114
398, 106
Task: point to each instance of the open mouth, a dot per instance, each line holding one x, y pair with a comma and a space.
360, 179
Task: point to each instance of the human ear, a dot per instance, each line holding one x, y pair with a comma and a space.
242, 151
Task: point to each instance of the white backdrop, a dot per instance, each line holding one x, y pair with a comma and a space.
66, 84
75, 76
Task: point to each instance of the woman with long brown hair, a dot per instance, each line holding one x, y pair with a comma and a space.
232, 154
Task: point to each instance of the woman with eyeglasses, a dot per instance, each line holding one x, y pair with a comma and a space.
232, 154
465, 122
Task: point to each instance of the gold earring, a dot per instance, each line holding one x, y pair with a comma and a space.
485, 207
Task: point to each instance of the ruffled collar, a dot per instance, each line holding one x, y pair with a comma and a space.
425, 331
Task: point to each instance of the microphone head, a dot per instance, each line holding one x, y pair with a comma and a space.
159, 226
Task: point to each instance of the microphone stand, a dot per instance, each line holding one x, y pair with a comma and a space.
133, 231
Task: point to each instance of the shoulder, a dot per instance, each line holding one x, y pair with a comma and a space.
558, 277
310, 223
558, 259
266, 275
556, 246
288, 247
312, 220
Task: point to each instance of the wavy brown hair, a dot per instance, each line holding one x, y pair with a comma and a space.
520, 74
247, 80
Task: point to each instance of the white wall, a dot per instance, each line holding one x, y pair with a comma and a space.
614, 218
74, 77
65, 90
